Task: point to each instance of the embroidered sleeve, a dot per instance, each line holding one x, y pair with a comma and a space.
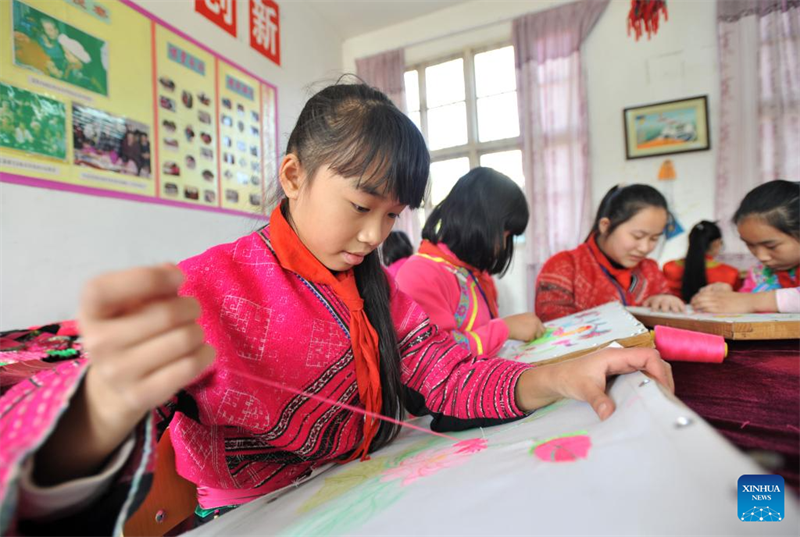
555, 294
657, 283
30, 411
437, 292
460, 390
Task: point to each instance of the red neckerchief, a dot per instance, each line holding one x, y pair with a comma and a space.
622, 275
482, 277
787, 279
293, 255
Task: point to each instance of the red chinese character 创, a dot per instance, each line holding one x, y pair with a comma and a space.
220, 12
101, 11
265, 29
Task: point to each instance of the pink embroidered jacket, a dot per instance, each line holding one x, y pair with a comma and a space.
454, 301
238, 439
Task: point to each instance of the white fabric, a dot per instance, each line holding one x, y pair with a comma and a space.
788, 300
636, 479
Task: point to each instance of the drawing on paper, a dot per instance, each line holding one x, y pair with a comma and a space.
581, 331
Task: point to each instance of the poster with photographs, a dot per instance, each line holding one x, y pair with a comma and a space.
106, 142
103, 98
186, 119
240, 130
269, 137
32, 123
47, 45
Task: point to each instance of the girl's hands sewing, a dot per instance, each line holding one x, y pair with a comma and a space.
584, 378
144, 345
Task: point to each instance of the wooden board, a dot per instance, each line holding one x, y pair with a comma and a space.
753, 326
581, 333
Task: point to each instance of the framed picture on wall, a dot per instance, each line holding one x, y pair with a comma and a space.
667, 128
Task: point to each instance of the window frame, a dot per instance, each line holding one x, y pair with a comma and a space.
474, 148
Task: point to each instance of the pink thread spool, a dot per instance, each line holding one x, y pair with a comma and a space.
678, 345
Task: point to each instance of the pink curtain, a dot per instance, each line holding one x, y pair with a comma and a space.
385, 71
554, 127
759, 58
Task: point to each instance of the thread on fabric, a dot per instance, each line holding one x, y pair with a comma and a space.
331, 402
678, 345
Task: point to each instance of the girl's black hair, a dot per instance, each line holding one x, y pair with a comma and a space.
622, 203
358, 132
397, 246
694, 269
777, 203
474, 217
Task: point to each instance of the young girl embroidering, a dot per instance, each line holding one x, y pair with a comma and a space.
302, 303
612, 263
468, 238
768, 221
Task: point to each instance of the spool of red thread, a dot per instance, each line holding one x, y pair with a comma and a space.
678, 345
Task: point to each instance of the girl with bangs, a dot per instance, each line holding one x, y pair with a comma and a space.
468, 238
303, 304
612, 264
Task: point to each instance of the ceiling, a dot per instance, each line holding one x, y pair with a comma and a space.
350, 19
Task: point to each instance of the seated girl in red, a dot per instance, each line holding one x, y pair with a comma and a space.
699, 268
469, 237
612, 263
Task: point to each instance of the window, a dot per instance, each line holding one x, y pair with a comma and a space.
466, 107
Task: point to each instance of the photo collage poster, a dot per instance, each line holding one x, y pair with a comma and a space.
101, 98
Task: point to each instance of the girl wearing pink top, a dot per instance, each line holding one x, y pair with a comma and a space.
249, 351
467, 239
768, 221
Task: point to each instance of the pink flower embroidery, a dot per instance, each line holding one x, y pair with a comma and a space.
566, 448
431, 461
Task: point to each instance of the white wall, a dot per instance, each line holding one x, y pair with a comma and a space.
52, 241
680, 61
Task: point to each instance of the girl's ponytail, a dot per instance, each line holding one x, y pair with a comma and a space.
694, 272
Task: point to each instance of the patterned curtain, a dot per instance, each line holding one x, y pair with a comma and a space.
554, 127
759, 58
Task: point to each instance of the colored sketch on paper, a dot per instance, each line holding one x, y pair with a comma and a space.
581, 331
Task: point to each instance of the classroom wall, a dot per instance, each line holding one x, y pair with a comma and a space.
53, 241
680, 61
